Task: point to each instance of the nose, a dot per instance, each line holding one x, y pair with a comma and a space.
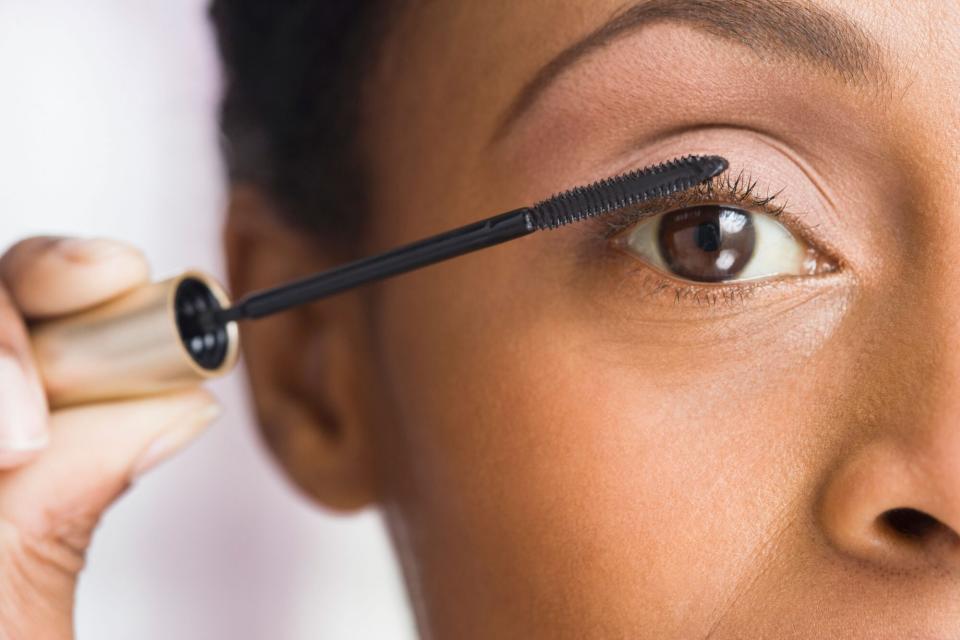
896, 505
892, 499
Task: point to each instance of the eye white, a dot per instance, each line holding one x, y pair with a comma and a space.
776, 250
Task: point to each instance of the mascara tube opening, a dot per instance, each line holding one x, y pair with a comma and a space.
204, 336
153, 339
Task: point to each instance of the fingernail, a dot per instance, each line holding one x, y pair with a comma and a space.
23, 419
175, 440
88, 249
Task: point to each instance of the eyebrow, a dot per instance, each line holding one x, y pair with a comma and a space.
785, 29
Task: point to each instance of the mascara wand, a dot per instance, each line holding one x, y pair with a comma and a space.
568, 207
175, 333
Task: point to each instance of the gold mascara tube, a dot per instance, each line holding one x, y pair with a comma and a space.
158, 337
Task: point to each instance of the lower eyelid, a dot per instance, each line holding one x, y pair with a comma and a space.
654, 283
709, 295
651, 311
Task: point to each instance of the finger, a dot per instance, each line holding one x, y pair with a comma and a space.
48, 276
94, 453
23, 403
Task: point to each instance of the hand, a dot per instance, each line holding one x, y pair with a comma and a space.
60, 471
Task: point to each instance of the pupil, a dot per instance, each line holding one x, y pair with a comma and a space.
708, 236
709, 243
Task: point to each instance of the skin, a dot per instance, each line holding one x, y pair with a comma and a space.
566, 449
568, 443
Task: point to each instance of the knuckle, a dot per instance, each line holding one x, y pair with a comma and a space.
63, 537
15, 576
24, 557
55, 542
9, 351
23, 253
30, 567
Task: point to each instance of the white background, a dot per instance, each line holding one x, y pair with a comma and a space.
107, 127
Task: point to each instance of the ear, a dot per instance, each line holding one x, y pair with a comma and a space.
308, 366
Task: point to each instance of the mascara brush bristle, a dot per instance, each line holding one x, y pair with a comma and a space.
626, 190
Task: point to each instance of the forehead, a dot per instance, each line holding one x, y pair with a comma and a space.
501, 43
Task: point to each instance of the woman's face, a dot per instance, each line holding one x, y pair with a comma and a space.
571, 439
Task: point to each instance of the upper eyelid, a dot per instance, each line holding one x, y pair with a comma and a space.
740, 189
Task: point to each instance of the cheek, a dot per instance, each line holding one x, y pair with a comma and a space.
547, 455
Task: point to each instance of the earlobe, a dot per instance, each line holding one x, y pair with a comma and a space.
306, 366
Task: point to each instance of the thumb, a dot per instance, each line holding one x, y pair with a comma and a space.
95, 451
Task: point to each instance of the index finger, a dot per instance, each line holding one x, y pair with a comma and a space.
49, 275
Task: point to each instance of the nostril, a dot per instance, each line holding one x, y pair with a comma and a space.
913, 524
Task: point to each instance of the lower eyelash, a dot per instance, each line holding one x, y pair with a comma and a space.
710, 295
700, 296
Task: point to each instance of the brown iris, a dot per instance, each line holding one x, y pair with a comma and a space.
709, 243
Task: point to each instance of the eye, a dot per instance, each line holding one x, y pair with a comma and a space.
717, 243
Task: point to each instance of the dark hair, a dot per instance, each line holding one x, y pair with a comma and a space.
291, 109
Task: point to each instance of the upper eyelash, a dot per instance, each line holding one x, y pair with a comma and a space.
740, 190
